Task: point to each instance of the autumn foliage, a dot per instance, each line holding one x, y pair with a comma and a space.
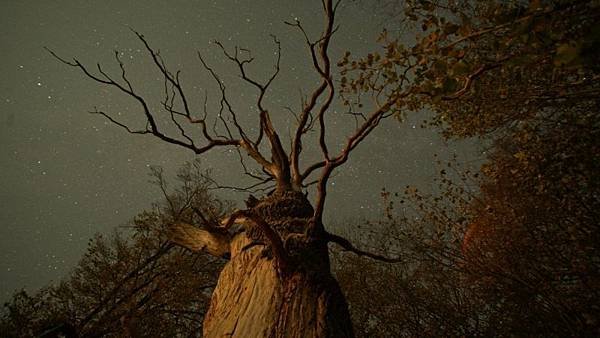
511, 250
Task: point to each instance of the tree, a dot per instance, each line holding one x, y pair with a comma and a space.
488, 256
133, 283
278, 280
429, 294
523, 248
534, 93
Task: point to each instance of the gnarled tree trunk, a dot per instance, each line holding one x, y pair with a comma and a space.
278, 282
281, 289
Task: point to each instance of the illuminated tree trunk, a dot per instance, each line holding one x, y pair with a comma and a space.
278, 282
259, 295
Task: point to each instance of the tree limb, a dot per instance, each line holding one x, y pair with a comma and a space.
272, 236
346, 245
152, 126
216, 243
321, 64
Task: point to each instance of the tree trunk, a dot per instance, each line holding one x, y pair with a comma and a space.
255, 297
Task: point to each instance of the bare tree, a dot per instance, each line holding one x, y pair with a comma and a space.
278, 280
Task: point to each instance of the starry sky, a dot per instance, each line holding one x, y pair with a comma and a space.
66, 174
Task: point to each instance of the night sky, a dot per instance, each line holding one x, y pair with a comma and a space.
66, 174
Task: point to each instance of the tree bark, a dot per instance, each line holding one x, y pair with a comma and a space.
252, 300
195, 239
259, 296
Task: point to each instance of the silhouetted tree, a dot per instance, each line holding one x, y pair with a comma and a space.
517, 252
133, 283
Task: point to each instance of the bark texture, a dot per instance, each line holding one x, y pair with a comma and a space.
255, 297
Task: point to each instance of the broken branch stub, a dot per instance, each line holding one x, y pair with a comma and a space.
196, 239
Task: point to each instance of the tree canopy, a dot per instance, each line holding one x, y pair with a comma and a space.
511, 250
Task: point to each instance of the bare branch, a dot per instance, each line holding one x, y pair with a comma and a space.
152, 126
248, 172
253, 188
344, 243
241, 63
279, 168
275, 241
96, 111
469, 81
321, 63
196, 239
245, 142
163, 249
352, 142
161, 65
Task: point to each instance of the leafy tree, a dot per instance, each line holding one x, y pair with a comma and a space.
428, 293
523, 76
496, 261
132, 283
